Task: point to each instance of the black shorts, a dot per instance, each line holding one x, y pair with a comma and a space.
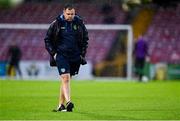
65, 65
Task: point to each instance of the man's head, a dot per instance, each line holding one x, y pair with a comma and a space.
69, 12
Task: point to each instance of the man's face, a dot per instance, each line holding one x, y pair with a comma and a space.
69, 14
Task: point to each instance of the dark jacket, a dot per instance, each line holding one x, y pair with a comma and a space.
14, 54
53, 36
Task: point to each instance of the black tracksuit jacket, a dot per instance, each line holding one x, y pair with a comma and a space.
67, 38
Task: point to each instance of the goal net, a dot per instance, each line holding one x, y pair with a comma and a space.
93, 27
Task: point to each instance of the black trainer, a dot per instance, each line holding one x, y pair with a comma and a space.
61, 108
69, 106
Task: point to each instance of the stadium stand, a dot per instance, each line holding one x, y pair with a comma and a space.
159, 29
163, 27
163, 36
31, 41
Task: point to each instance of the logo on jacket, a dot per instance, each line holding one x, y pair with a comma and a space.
75, 27
63, 70
62, 27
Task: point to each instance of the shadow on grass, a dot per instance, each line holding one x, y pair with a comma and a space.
98, 116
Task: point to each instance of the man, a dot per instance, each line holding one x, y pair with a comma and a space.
140, 52
14, 57
66, 41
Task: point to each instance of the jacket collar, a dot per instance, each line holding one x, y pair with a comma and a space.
61, 18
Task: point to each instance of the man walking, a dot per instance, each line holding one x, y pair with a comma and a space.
66, 41
14, 57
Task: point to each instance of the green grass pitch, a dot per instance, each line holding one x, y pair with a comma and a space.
94, 100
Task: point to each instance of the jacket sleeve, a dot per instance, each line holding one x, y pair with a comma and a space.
84, 41
49, 39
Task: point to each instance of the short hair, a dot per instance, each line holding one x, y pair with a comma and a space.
69, 6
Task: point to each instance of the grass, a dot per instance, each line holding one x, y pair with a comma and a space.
94, 100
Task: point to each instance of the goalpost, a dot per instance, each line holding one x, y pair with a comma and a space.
128, 28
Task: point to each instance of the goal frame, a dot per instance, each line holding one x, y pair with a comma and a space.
128, 28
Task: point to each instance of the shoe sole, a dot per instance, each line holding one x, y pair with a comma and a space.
59, 110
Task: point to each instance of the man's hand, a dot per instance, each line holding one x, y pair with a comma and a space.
83, 60
147, 59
